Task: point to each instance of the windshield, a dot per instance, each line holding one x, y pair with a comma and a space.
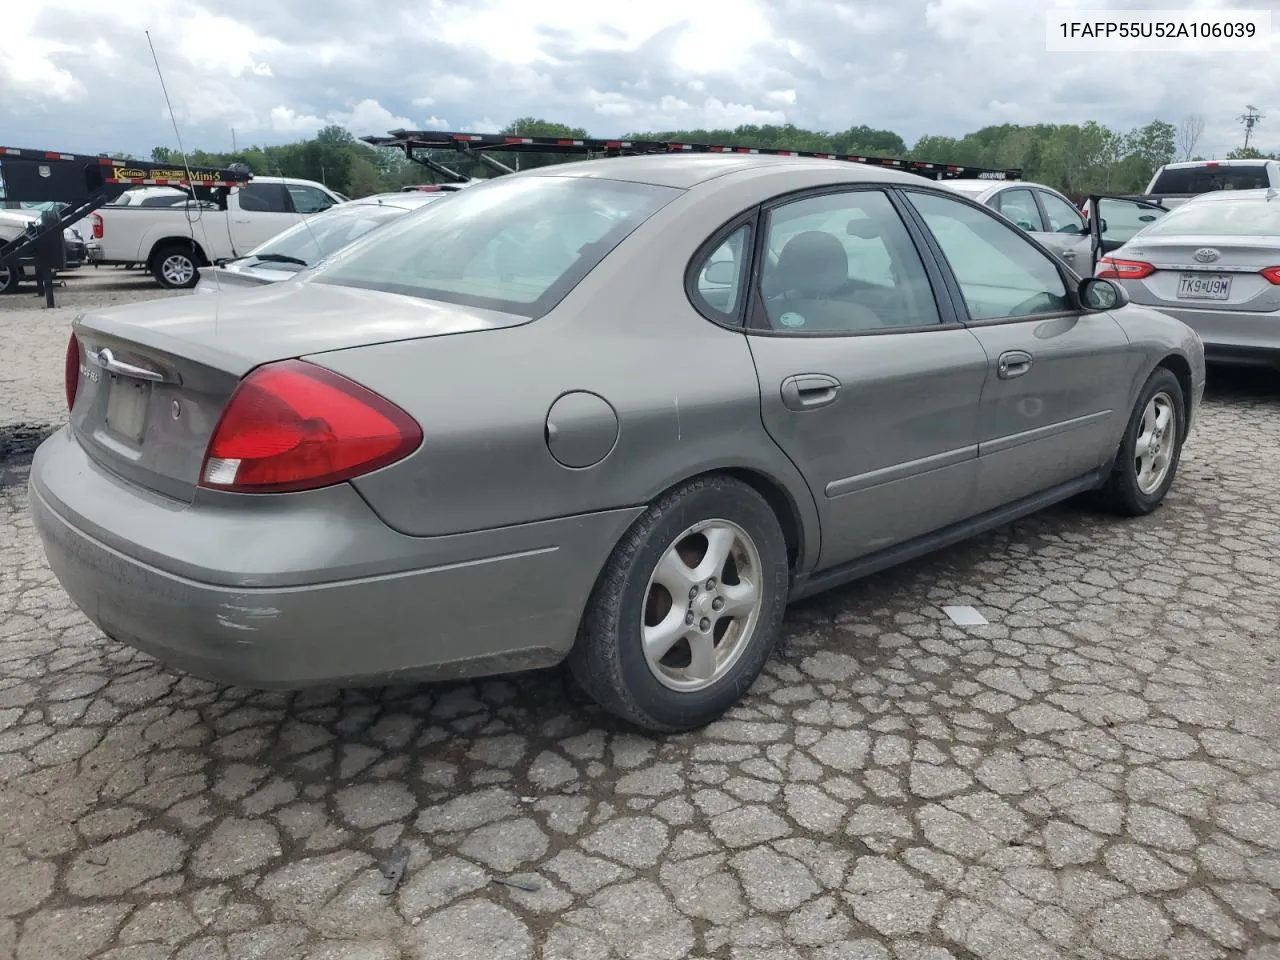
517, 244
1207, 179
1252, 217
316, 237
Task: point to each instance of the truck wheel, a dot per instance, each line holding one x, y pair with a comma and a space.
174, 266
10, 277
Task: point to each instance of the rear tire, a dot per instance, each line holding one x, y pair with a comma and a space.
176, 266
10, 278
709, 633
1150, 450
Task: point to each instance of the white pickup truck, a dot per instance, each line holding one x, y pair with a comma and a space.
173, 242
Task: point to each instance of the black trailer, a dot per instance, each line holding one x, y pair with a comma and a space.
418, 145
79, 184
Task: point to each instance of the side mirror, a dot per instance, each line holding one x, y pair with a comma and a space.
722, 272
1102, 225
1097, 293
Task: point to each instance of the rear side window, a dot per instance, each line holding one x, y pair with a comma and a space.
1208, 179
515, 244
265, 198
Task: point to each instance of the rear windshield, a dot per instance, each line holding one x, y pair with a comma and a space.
1254, 217
318, 236
1209, 179
515, 244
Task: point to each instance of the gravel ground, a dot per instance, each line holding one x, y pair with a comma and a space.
1095, 774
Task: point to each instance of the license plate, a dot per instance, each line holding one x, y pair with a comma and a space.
127, 408
1204, 286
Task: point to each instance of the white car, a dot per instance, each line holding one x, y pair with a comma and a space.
306, 244
174, 242
13, 224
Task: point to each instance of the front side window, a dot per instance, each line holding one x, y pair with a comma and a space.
1121, 219
309, 199
517, 244
843, 263
1062, 216
1000, 273
1020, 207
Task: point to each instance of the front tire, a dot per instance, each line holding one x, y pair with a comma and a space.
1150, 450
687, 609
175, 267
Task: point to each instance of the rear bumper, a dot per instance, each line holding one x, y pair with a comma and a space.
1232, 334
313, 591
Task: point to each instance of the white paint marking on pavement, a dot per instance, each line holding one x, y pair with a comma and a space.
965, 616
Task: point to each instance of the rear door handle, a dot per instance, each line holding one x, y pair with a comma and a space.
1013, 363
809, 391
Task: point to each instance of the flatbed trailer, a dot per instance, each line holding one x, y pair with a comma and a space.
419, 145
82, 183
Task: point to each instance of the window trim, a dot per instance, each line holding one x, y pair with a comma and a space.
1040, 194
757, 321
961, 305
736, 321
1035, 202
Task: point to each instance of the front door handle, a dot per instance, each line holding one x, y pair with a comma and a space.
1068, 255
809, 391
1013, 363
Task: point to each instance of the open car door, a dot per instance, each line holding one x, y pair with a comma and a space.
1113, 220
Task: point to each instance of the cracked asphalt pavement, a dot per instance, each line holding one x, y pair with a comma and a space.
1093, 774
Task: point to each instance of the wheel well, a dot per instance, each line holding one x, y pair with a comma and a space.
183, 242
1179, 367
780, 502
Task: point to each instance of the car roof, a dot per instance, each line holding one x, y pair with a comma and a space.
690, 169
1226, 196
405, 200
1247, 162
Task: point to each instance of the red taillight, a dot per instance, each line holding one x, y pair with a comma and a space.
1110, 268
71, 371
97, 225
1272, 274
296, 426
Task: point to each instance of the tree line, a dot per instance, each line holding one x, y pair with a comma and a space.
1075, 158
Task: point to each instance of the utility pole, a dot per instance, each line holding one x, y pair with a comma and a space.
1249, 118
234, 149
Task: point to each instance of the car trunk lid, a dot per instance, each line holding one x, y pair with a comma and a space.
1216, 273
154, 378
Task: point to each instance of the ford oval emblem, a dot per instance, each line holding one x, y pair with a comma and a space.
1206, 255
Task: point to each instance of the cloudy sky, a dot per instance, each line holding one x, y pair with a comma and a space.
79, 76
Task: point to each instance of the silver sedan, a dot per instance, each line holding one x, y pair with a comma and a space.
1214, 263
616, 412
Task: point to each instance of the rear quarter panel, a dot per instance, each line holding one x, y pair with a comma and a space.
684, 390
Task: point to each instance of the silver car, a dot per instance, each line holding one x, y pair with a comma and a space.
1214, 263
1042, 211
309, 241
616, 412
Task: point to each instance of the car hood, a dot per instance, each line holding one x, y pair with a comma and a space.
19, 219
283, 320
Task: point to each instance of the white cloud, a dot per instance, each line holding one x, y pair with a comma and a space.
80, 77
